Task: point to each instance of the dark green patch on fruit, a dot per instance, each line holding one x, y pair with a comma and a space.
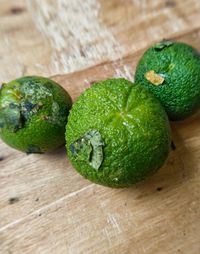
117, 133
33, 149
89, 148
33, 110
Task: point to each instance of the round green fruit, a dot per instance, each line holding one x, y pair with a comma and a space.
171, 71
117, 133
33, 114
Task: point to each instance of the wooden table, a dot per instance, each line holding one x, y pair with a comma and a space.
45, 206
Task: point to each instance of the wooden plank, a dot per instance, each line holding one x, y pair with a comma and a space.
36, 40
72, 215
23, 49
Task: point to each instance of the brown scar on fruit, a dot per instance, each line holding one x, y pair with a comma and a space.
45, 118
154, 78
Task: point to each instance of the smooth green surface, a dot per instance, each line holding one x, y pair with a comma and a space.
33, 114
179, 64
133, 129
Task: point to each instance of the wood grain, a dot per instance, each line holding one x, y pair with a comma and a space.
45, 206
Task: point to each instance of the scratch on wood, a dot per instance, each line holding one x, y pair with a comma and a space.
125, 72
87, 82
107, 235
42, 209
113, 221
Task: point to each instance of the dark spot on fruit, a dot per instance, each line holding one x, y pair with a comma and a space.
13, 105
33, 149
2, 85
11, 117
49, 85
37, 199
1, 158
13, 200
72, 149
159, 188
29, 106
40, 214
173, 147
125, 204
1, 124
17, 10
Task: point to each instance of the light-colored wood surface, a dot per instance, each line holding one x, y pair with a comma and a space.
45, 206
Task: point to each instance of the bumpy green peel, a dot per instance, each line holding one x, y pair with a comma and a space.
117, 133
178, 66
32, 109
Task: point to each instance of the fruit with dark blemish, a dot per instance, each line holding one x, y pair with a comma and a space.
171, 71
33, 114
117, 133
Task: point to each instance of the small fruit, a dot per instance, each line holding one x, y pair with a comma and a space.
171, 71
117, 133
33, 114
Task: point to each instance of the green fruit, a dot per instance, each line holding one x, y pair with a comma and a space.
33, 114
117, 133
171, 71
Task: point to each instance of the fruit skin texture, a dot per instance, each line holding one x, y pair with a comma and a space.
33, 114
179, 65
134, 130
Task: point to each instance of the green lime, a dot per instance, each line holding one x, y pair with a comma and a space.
33, 114
117, 133
171, 71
